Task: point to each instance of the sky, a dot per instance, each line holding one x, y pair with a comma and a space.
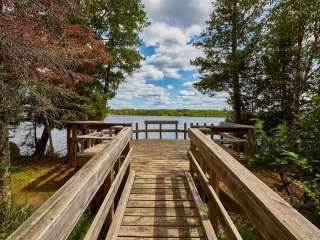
166, 77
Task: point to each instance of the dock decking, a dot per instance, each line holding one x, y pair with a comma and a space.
160, 204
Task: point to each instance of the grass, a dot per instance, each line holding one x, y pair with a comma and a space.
32, 181
173, 112
11, 217
80, 230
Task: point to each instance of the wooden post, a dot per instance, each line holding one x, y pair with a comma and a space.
146, 130
250, 140
74, 146
137, 131
177, 131
185, 131
212, 135
69, 142
213, 210
160, 128
108, 183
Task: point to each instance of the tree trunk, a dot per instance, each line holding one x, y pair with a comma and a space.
4, 159
42, 143
47, 125
107, 79
298, 79
236, 95
297, 87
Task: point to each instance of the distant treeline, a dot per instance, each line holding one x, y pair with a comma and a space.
172, 112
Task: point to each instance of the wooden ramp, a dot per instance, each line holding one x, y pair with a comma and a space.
161, 203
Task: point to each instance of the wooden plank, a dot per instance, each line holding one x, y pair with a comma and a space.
160, 185
272, 216
209, 232
138, 238
56, 218
152, 197
161, 212
115, 225
224, 218
162, 180
160, 221
160, 122
160, 231
100, 217
164, 203
160, 191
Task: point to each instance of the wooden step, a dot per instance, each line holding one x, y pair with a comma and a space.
160, 221
171, 212
160, 231
166, 203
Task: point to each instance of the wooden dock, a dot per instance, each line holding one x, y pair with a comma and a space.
160, 204
157, 189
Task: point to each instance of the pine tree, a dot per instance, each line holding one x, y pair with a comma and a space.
229, 43
119, 23
291, 53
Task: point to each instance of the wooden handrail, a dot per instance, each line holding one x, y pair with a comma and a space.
272, 216
57, 217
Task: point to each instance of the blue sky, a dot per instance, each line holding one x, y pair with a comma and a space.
166, 76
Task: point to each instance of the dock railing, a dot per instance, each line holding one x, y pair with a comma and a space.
215, 172
82, 135
237, 137
102, 184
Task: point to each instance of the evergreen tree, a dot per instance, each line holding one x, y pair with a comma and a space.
229, 44
119, 23
289, 60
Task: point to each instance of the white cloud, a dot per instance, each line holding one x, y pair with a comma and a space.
177, 12
189, 84
173, 24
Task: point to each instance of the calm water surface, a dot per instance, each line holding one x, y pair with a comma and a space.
19, 134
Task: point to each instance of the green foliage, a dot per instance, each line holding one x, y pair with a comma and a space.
270, 145
173, 112
119, 23
229, 43
294, 152
11, 217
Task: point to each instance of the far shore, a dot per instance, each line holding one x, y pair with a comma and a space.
173, 112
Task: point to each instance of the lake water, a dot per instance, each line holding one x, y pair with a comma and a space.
19, 134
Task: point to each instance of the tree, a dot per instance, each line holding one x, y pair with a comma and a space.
229, 43
41, 43
291, 57
119, 23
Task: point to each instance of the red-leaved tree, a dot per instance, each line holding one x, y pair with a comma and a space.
44, 44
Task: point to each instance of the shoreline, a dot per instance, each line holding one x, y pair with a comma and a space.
172, 112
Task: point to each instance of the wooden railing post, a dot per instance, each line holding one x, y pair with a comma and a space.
146, 129
160, 129
213, 210
185, 131
177, 131
137, 131
73, 147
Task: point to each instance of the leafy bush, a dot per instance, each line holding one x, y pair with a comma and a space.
294, 152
